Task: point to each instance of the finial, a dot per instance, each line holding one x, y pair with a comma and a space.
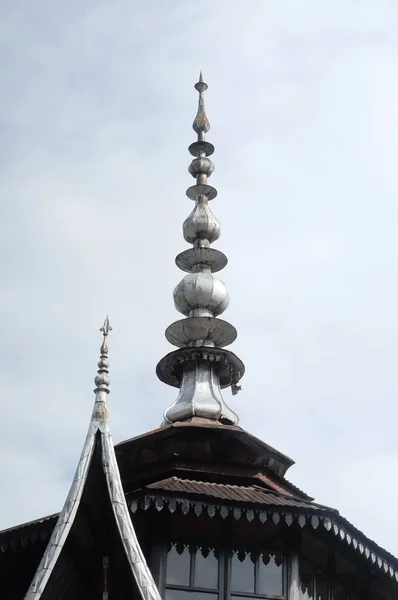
106, 328
201, 366
102, 380
201, 124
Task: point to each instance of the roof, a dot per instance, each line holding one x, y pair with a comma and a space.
209, 498
29, 524
97, 469
235, 493
242, 501
251, 449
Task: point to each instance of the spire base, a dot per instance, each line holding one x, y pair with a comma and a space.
200, 396
230, 368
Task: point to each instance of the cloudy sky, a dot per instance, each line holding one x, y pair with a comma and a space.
97, 102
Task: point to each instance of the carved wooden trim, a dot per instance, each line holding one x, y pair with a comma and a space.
317, 518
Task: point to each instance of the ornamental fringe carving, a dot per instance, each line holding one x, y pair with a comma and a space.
345, 532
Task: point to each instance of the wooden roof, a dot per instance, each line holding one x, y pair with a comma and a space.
166, 471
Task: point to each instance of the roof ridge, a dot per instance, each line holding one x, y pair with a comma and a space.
255, 486
98, 430
233, 485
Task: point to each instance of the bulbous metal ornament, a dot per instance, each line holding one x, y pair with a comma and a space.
201, 293
201, 166
201, 224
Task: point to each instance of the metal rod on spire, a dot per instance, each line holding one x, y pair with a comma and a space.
200, 368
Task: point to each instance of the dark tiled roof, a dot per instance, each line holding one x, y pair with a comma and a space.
266, 503
39, 529
235, 493
29, 524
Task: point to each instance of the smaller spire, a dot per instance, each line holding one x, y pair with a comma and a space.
98, 431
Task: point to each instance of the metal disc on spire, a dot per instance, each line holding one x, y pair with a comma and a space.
189, 259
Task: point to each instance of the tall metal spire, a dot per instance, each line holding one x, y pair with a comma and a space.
201, 367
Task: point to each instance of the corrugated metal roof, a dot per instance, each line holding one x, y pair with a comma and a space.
234, 493
29, 524
305, 514
39, 529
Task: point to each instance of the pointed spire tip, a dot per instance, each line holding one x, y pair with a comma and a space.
201, 86
106, 328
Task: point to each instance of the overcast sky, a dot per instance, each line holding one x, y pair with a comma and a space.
97, 102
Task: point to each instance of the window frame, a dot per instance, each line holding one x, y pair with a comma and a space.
272, 551
332, 580
223, 590
192, 549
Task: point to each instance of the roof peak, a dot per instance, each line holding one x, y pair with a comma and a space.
98, 431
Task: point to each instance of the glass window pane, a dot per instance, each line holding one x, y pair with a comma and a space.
178, 564
189, 595
242, 572
206, 569
270, 575
306, 581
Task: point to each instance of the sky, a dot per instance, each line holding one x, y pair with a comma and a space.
97, 103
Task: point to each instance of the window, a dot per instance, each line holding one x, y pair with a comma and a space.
307, 583
191, 573
316, 585
314, 582
259, 574
206, 574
